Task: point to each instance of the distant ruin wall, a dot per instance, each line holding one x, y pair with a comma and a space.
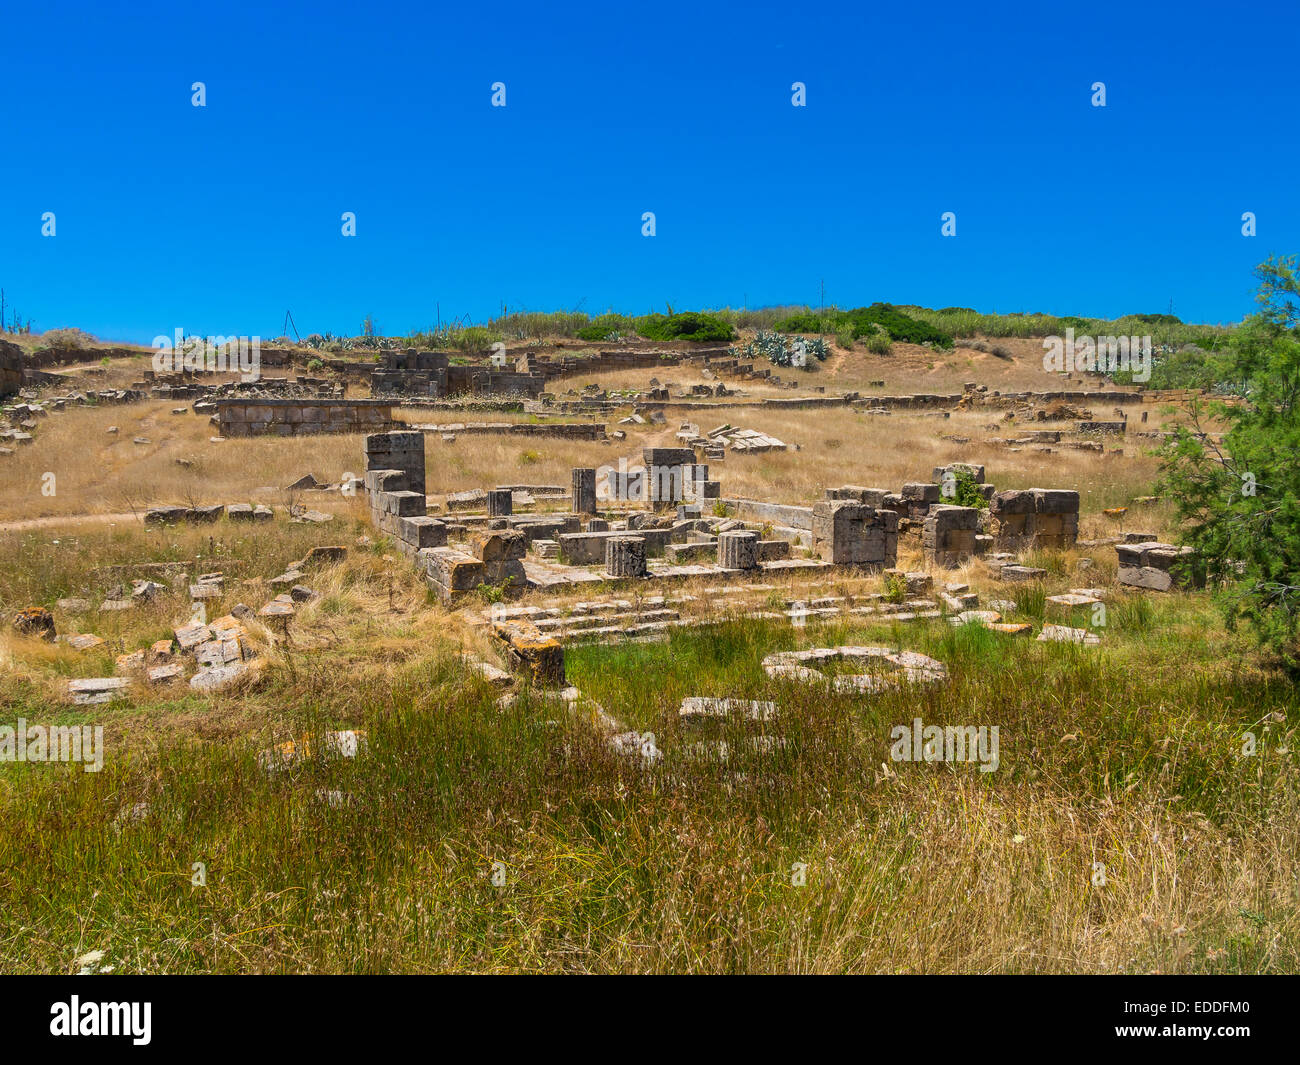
563, 430
11, 368
301, 417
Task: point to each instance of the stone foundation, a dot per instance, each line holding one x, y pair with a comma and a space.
738, 550
950, 535
1045, 518
625, 556
1160, 567
854, 534
300, 417
394, 486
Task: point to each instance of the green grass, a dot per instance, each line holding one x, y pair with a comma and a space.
687, 868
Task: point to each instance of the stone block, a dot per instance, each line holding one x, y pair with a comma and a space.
498, 545
625, 556
738, 550
500, 503
584, 490
422, 531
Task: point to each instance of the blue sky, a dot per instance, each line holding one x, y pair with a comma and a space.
218, 219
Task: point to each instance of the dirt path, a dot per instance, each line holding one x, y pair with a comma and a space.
67, 519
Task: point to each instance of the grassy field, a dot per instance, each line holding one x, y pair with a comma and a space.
1126, 755
1123, 831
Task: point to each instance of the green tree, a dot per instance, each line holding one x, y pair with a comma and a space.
1239, 499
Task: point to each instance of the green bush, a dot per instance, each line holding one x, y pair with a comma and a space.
878, 342
607, 327
779, 349
966, 491
1238, 498
899, 326
689, 325
800, 323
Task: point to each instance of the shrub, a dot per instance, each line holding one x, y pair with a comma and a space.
67, 338
878, 343
800, 323
607, 327
689, 325
780, 350
895, 588
902, 327
966, 491
1238, 499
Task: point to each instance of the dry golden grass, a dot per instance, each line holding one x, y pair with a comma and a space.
101, 474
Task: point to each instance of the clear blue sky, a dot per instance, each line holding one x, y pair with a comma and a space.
217, 219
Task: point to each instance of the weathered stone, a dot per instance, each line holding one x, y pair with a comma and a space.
850, 533
1158, 567
498, 545
91, 690
738, 550
584, 490
217, 677
948, 536
540, 657
1065, 634
190, 636
165, 515
450, 572
625, 556
695, 706
35, 621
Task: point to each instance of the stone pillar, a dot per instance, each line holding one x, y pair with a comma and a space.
948, 537
500, 504
597, 525
398, 451
848, 533
738, 550
625, 556
584, 490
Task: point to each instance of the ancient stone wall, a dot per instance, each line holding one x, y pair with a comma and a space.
300, 417
11, 368
1160, 567
1035, 518
951, 535
395, 492
848, 533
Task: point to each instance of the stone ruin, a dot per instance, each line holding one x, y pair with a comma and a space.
1158, 566
395, 492
432, 374
1036, 518
650, 529
849, 533
1015, 521
265, 416
11, 368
